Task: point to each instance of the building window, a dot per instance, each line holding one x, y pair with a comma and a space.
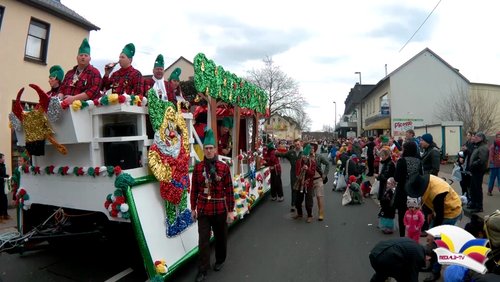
2, 10
37, 41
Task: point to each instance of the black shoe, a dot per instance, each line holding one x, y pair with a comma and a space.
201, 276
433, 277
218, 266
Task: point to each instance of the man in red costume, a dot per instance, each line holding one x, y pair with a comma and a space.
157, 82
212, 204
225, 139
82, 82
125, 80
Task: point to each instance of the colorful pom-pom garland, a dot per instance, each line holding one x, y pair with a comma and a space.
116, 203
112, 99
77, 170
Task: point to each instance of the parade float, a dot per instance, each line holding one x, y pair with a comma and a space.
93, 166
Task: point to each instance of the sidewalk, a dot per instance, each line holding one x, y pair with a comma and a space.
9, 224
490, 203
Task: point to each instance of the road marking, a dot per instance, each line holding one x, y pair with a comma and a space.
120, 275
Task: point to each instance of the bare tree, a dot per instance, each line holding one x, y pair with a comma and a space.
284, 96
327, 128
475, 110
303, 120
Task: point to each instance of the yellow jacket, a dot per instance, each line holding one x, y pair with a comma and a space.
452, 203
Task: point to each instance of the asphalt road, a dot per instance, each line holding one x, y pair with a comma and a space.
267, 246
270, 246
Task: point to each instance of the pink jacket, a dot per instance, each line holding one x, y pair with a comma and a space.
414, 219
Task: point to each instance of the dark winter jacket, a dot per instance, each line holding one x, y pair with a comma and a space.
399, 257
479, 158
431, 160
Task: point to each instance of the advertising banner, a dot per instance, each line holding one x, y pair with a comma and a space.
401, 125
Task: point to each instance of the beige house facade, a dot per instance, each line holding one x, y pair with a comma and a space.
490, 92
34, 35
282, 128
186, 66
411, 96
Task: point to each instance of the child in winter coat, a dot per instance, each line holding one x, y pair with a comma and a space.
414, 219
366, 188
387, 209
355, 191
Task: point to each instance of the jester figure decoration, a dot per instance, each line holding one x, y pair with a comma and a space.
36, 122
169, 161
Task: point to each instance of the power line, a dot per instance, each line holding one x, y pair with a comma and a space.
428, 16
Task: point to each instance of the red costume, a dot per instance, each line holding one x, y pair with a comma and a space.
88, 81
212, 197
274, 164
148, 84
224, 143
219, 190
125, 80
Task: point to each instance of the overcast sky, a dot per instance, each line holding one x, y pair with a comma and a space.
320, 44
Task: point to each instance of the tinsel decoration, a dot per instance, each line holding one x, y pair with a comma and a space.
15, 122
181, 222
160, 171
36, 126
54, 111
217, 83
168, 159
157, 109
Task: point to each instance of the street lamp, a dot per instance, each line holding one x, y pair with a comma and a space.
335, 124
358, 72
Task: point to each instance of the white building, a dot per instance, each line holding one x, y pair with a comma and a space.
410, 95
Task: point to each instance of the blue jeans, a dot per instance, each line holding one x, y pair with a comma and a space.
494, 174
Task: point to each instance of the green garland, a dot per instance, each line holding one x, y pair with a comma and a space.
157, 109
217, 83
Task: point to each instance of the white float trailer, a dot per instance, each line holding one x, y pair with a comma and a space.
104, 181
